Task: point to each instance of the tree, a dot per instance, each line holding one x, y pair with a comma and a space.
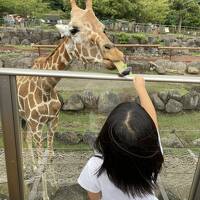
112, 9
7, 5
56, 5
154, 11
23, 7
183, 11
109, 9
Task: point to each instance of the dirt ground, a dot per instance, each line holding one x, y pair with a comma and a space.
176, 176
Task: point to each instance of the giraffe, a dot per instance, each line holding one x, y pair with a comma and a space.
84, 38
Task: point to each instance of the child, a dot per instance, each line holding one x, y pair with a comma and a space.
129, 155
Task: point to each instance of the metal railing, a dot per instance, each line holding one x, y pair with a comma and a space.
10, 119
96, 76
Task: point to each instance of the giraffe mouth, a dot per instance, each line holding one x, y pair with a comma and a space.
109, 64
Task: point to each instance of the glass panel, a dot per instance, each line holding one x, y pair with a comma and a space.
86, 105
3, 174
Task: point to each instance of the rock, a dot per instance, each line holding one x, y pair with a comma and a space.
9, 63
125, 97
158, 103
161, 70
190, 101
15, 41
5, 40
194, 64
140, 51
191, 43
167, 42
74, 103
139, 66
69, 137
193, 70
89, 138
152, 40
177, 67
153, 51
164, 96
195, 89
171, 141
25, 42
197, 41
196, 142
71, 192
175, 44
173, 94
25, 62
174, 106
90, 100
1, 64
107, 102
45, 42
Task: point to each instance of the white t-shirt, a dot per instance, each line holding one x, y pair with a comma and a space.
89, 180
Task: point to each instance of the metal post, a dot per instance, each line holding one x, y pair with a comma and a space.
195, 190
11, 134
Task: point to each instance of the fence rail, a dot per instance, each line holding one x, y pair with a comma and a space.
97, 76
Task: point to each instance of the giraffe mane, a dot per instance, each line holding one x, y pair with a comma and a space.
59, 45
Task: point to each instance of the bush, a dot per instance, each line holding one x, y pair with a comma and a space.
125, 38
140, 37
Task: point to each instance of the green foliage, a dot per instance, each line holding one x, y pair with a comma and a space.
154, 11
184, 12
173, 12
113, 9
34, 8
125, 38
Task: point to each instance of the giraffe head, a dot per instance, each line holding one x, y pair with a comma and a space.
87, 39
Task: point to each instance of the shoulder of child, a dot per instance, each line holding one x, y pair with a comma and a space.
94, 163
88, 178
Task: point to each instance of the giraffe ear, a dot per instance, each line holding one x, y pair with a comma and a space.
63, 29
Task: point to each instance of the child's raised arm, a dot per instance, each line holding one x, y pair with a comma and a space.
145, 100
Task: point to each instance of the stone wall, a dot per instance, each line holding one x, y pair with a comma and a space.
17, 36
26, 36
171, 101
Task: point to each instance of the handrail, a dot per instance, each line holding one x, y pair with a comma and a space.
116, 45
131, 45
96, 76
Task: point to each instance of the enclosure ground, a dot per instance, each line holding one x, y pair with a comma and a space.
177, 173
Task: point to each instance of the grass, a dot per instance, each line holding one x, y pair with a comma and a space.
186, 125
83, 122
195, 53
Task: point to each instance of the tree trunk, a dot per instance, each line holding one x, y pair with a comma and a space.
180, 23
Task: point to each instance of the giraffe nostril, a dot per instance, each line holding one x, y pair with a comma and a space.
108, 46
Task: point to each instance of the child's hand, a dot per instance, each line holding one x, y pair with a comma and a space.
139, 83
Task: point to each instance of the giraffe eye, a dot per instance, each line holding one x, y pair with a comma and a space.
74, 30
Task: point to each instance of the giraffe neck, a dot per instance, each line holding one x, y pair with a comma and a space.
59, 59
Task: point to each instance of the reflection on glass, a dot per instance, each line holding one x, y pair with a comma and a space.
3, 175
86, 105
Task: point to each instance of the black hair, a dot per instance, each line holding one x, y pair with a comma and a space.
130, 147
